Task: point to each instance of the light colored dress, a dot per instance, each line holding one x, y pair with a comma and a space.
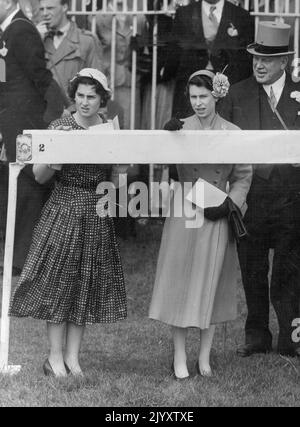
197, 268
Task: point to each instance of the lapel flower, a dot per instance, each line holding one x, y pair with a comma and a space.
221, 86
296, 96
232, 31
3, 51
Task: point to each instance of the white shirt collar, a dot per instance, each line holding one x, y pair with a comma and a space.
7, 21
65, 28
276, 86
57, 40
219, 8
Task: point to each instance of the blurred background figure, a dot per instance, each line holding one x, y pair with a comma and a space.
122, 81
68, 48
31, 9
208, 34
164, 90
29, 99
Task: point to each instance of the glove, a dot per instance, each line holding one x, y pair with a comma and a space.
217, 212
174, 124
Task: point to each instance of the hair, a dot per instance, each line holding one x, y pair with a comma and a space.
200, 81
73, 86
62, 2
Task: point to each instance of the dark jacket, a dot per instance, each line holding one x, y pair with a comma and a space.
242, 107
29, 99
272, 186
188, 50
29, 89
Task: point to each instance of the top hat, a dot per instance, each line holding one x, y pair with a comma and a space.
272, 39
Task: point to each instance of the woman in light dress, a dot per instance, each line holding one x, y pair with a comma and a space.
197, 269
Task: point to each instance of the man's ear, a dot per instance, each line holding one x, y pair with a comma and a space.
284, 62
65, 8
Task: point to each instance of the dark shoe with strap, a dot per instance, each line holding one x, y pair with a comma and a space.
47, 368
249, 349
291, 352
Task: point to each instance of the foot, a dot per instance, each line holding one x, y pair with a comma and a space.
73, 367
204, 369
249, 349
54, 367
180, 370
290, 352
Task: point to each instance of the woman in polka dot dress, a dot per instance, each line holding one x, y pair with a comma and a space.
73, 274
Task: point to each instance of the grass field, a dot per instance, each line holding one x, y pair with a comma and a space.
128, 364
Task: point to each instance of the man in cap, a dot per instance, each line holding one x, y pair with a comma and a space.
69, 49
265, 102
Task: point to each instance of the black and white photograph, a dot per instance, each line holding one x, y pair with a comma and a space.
149, 206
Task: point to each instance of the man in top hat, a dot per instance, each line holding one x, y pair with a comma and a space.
266, 101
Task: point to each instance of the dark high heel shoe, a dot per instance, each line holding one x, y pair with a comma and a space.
47, 368
175, 376
202, 374
68, 370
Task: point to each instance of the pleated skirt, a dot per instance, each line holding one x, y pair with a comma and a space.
73, 271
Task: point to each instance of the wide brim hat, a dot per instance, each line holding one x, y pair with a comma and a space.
94, 74
272, 39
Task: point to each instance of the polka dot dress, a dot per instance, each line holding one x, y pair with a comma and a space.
73, 271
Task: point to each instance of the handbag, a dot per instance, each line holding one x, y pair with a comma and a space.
236, 222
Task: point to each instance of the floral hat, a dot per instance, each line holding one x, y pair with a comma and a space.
220, 82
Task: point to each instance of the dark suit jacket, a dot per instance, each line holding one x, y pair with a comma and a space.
242, 107
29, 88
188, 50
28, 100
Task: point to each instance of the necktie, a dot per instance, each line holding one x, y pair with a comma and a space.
53, 33
273, 100
212, 17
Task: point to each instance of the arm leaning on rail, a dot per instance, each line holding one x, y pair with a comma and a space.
42, 173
